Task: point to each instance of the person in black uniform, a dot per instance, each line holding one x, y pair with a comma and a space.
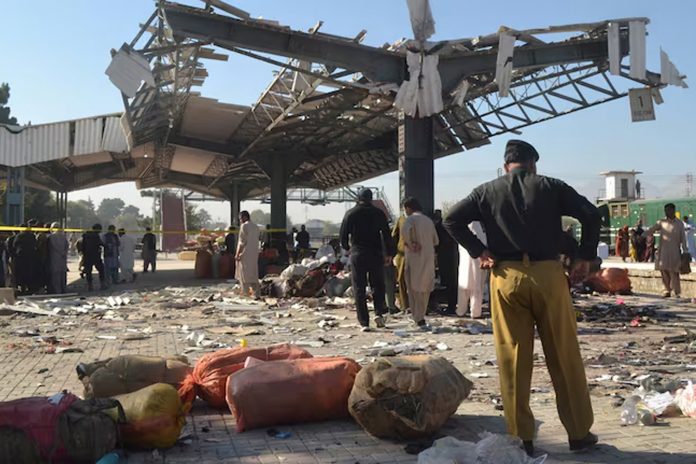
92, 247
365, 233
230, 241
521, 213
447, 263
302, 238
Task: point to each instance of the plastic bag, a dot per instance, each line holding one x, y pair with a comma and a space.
154, 417
407, 397
686, 400
61, 428
294, 270
209, 377
129, 373
281, 392
491, 449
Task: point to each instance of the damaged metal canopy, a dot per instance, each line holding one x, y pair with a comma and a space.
329, 110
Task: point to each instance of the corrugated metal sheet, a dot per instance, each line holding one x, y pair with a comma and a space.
88, 136
114, 139
46, 142
34, 144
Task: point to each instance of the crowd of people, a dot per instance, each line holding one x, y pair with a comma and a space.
676, 245
34, 259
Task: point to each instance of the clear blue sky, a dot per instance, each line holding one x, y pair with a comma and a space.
54, 55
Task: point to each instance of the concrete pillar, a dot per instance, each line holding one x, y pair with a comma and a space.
14, 199
416, 161
235, 205
279, 194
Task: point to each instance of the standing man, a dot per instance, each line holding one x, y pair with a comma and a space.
111, 248
230, 241
521, 214
638, 241
149, 250
58, 247
690, 241
472, 279
302, 238
622, 241
447, 263
672, 243
400, 262
24, 258
365, 233
247, 256
126, 256
92, 246
420, 238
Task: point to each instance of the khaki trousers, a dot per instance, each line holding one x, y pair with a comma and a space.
419, 304
671, 282
525, 294
400, 263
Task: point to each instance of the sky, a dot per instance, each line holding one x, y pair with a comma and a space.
54, 54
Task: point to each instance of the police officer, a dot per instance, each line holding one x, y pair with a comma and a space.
521, 213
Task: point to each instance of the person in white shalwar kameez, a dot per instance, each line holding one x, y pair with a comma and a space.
420, 239
126, 255
472, 278
248, 255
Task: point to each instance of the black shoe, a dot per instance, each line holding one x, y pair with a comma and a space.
583, 444
528, 446
393, 311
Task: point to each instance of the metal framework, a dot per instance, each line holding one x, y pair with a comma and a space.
327, 118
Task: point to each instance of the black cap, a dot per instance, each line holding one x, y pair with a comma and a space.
519, 151
365, 195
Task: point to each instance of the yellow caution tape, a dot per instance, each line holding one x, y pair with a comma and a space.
187, 232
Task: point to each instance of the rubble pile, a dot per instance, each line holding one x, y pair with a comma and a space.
620, 312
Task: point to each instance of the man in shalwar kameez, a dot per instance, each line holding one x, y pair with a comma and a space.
126, 256
57, 246
420, 238
248, 255
472, 278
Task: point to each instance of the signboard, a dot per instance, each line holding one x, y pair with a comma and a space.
642, 108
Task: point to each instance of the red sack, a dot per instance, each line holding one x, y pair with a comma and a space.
291, 392
204, 265
38, 419
209, 377
611, 280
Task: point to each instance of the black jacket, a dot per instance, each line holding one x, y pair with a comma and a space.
365, 229
521, 213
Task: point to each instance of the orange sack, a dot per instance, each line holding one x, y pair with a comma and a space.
291, 392
209, 377
610, 280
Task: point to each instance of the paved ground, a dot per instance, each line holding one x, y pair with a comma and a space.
160, 323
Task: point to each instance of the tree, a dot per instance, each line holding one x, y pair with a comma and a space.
197, 219
81, 214
130, 209
260, 218
39, 205
5, 117
109, 209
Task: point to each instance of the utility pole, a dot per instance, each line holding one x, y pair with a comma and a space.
689, 184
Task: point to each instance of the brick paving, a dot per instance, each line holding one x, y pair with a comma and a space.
209, 435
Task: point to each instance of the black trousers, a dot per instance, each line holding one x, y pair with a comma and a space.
367, 265
99, 264
448, 267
